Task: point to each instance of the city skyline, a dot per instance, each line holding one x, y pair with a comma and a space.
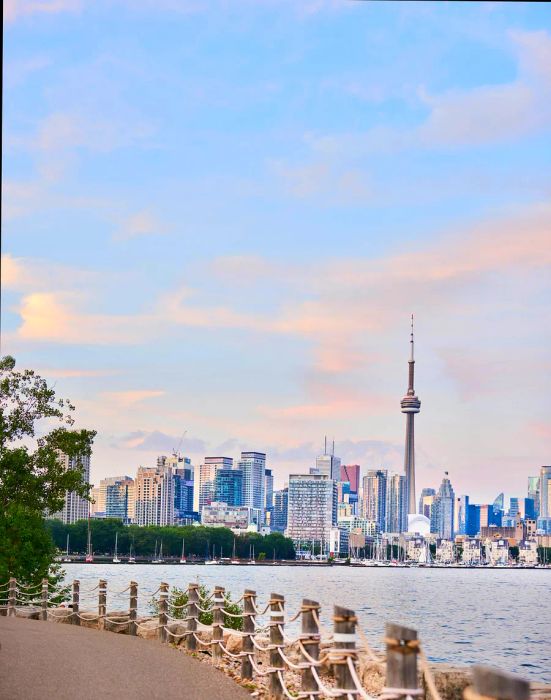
213, 243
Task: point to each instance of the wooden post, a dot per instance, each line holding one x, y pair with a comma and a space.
344, 638
249, 600
497, 684
192, 615
133, 609
44, 606
310, 640
76, 600
401, 657
163, 612
102, 603
12, 595
217, 622
277, 620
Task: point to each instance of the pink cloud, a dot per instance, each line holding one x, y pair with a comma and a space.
16, 9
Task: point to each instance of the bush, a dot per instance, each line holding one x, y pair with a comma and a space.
179, 597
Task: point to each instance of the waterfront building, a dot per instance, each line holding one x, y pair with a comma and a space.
472, 551
534, 492
217, 514
545, 492
513, 534
75, 507
339, 540
410, 405
207, 476
396, 505
530, 527
120, 499
374, 500
329, 465
497, 552
445, 553
94, 504
441, 517
528, 552
279, 514
417, 549
425, 501
461, 506
154, 496
253, 466
268, 489
312, 507
356, 525
228, 486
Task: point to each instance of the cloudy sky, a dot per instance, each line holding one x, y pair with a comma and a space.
218, 217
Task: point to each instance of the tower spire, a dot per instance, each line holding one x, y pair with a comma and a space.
411, 358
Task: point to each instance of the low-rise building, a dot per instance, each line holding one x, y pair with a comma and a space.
497, 552
445, 553
472, 551
218, 514
528, 552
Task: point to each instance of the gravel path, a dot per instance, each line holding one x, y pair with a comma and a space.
43, 660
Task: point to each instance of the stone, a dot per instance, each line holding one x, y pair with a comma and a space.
61, 616
148, 628
111, 624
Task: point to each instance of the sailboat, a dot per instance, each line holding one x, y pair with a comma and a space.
158, 559
89, 556
183, 559
116, 559
67, 558
234, 559
209, 560
251, 556
131, 557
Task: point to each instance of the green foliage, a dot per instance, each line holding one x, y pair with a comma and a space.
179, 597
33, 478
198, 540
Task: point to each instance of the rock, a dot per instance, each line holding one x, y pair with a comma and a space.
372, 676
148, 628
232, 642
89, 619
450, 681
178, 629
29, 613
61, 615
113, 623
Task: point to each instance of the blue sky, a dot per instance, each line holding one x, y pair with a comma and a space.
217, 218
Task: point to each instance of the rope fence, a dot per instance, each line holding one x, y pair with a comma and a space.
314, 664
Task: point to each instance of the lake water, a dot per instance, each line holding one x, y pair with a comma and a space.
464, 616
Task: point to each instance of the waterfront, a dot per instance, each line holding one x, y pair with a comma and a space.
464, 616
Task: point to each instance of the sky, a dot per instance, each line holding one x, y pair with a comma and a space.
218, 217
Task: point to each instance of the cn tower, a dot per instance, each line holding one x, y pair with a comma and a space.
410, 406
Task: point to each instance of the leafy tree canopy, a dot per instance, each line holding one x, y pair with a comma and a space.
35, 430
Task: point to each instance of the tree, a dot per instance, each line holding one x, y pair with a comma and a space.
33, 477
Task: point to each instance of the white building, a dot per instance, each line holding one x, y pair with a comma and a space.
528, 552
154, 491
312, 507
497, 552
75, 507
207, 478
329, 465
472, 551
445, 553
253, 466
218, 514
396, 505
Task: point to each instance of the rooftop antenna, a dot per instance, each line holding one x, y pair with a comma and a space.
333, 452
325, 446
411, 341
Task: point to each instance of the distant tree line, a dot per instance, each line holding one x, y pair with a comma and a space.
199, 540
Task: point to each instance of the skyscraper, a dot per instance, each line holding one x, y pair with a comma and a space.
442, 510
207, 476
228, 486
281, 502
75, 507
396, 505
120, 498
328, 464
425, 501
253, 466
312, 507
410, 406
534, 492
155, 496
268, 489
374, 497
351, 473
545, 492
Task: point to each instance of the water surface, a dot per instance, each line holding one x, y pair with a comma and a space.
464, 616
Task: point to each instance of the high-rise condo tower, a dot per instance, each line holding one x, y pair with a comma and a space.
410, 406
